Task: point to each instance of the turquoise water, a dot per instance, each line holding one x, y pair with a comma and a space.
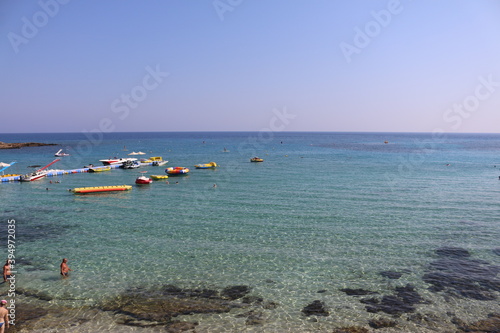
324, 211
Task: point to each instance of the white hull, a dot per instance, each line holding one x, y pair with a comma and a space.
116, 161
33, 176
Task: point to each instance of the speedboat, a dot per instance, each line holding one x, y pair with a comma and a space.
154, 160
143, 180
206, 166
177, 171
33, 176
60, 153
256, 159
131, 165
115, 161
38, 174
159, 163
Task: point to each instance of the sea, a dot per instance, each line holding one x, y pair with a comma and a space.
333, 230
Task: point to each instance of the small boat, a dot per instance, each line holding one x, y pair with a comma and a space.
100, 169
177, 171
33, 176
206, 166
115, 161
98, 189
143, 180
154, 160
38, 174
159, 177
60, 153
131, 165
159, 163
256, 159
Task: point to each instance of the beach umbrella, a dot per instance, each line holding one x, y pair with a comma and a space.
4, 166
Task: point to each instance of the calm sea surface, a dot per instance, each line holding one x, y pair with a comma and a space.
323, 212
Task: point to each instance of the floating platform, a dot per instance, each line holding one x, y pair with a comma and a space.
159, 177
98, 189
53, 173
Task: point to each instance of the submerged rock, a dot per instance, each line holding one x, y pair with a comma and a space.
453, 252
316, 308
403, 302
41, 295
358, 292
488, 325
26, 316
381, 323
235, 292
146, 308
353, 329
456, 274
391, 274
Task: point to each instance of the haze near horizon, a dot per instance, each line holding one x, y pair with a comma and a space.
236, 65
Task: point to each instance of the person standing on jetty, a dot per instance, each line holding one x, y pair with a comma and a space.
64, 268
4, 316
6, 271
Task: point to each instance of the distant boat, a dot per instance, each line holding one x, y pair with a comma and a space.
177, 171
116, 161
256, 159
159, 163
38, 174
155, 161
60, 153
131, 165
206, 166
143, 180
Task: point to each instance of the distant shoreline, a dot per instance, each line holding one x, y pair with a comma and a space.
17, 145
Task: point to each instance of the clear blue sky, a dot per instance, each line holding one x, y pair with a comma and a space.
225, 65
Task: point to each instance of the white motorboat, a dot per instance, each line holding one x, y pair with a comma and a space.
117, 161
60, 153
131, 165
38, 174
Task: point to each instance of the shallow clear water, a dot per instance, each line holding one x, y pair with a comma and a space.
325, 211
